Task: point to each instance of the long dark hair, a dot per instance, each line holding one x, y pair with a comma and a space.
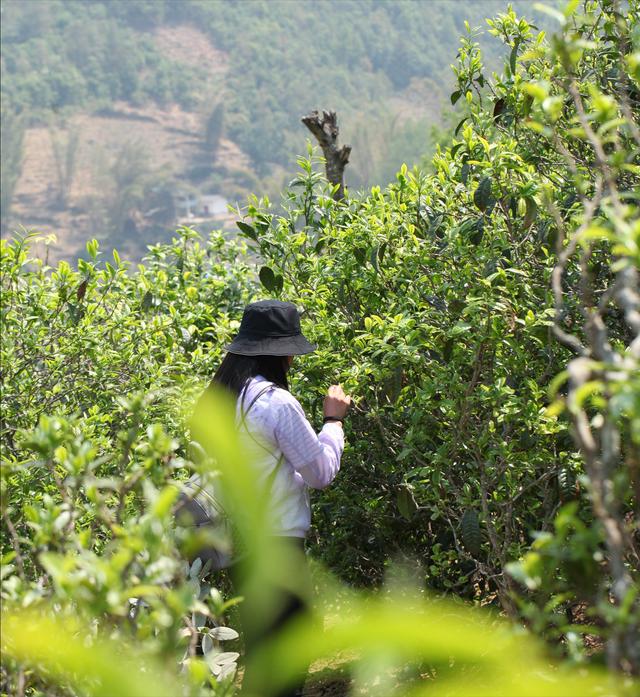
235, 370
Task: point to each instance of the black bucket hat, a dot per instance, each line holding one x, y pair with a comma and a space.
270, 328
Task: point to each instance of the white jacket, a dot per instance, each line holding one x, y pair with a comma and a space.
288, 444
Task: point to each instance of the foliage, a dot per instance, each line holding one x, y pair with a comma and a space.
101, 563
96, 334
86, 509
597, 136
469, 653
438, 303
433, 302
79, 43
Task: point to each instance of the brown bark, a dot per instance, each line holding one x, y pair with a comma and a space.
325, 129
598, 436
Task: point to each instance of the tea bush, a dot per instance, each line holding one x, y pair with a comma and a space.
454, 305
448, 302
99, 365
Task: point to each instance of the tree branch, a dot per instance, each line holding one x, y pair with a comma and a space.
325, 129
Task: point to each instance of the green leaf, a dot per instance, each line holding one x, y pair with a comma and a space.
268, 278
455, 149
459, 126
455, 96
482, 195
162, 505
477, 233
470, 532
373, 258
513, 56
566, 484
435, 224
196, 453
466, 226
536, 90
247, 230
570, 8
406, 504
92, 248
8, 558
147, 300
447, 350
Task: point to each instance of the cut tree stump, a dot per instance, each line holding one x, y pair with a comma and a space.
325, 129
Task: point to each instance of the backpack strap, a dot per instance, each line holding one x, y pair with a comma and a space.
271, 386
243, 412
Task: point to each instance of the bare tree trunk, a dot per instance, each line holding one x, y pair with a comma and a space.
325, 129
598, 431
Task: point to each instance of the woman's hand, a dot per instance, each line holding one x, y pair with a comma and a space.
336, 403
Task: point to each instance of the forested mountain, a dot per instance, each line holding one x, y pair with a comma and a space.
111, 110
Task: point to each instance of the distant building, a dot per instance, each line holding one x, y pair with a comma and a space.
211, 205
201, 206
186, 205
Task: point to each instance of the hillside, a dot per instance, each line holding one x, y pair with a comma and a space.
165, 144
206, 99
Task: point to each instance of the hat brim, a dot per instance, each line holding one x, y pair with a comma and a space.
271, 346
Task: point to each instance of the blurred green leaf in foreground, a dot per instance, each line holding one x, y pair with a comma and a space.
462, 651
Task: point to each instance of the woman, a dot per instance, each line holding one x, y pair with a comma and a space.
289, 456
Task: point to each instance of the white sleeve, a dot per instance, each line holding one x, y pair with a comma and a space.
315, 457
